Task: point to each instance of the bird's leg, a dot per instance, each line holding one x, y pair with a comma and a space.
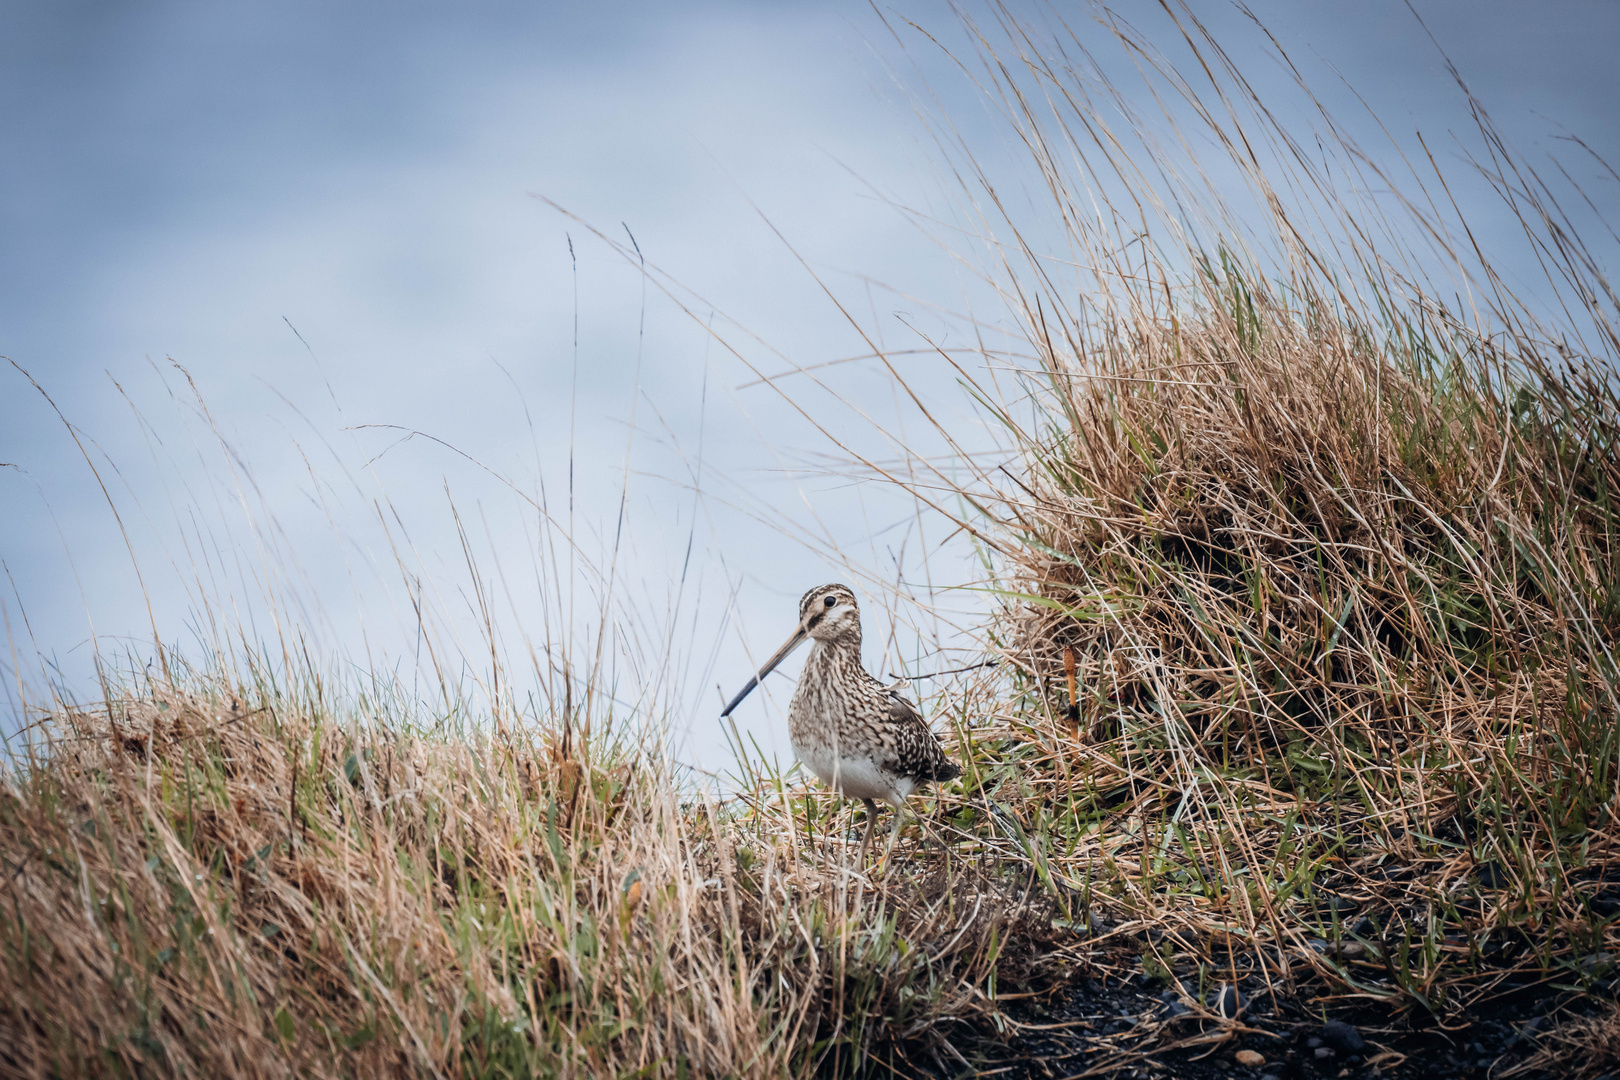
871, 819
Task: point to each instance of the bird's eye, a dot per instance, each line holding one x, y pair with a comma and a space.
830, 601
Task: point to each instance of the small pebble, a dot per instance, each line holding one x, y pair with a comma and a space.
1323, 1053
1312, 1043
1250, 1059
1606, 903
1342, 1037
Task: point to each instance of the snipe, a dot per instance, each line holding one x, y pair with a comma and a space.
859, 736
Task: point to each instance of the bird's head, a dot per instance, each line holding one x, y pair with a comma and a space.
829, 613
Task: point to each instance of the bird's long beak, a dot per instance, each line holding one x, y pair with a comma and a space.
792, 643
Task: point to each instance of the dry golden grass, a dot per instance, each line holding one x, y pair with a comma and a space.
227, 881
1336, 556
1342, 619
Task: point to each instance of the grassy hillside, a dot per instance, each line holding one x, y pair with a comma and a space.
1334, 552
237, 880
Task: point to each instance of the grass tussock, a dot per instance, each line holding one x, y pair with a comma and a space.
1342, 612
1333, 551
233, 881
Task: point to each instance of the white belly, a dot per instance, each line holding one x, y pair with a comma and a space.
856, 777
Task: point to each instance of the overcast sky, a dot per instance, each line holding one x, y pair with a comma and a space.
330, 216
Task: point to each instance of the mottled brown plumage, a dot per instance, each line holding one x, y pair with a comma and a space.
859, 736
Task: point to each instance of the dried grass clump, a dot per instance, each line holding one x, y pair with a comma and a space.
1366, 590
225, 880
1308, 544
1338, 561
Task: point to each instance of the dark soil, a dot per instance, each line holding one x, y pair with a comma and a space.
1113, 998
1105, 1023
1138, 1028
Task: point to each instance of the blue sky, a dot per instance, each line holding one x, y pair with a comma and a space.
329, 215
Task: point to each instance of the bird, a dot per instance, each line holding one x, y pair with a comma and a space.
860, 737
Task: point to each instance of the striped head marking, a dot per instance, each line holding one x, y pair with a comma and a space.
829, 612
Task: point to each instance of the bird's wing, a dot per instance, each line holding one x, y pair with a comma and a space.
902, 710
920, 754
